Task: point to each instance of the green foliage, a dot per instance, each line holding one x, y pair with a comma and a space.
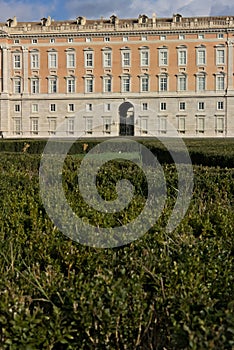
164, 291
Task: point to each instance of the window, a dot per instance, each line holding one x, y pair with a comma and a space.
89, 84
107, 59
17, 61
34, 60
220, 56
106, 125
70, 85
163, 83
201, 36
34, 126
201, 82
89, 126
17, 108
17, 85
88, 40
181, 36
107, 107
71, 60
107, 39
181, 124
220, 105
53, 85
125, 80
126, 59
162, 125
144, 38
163, 37
144, 83
125, 38
107, 84
220, 36
52, 126
182, 57
88, 59
144, 57
182, 106
89, 107
144, 106
163, 57
70, 126
71, 107
219, 127
182, 82
70, 40
163, 106
201, 106
144, 125
17, 126
52, 60
52, 40
16, 41
34, 41
52, 107
200, 125
35, 86
34, 108
201, 56
220, 82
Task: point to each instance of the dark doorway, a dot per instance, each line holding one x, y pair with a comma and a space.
126, 119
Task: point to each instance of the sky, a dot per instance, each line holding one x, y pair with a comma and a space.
28, 10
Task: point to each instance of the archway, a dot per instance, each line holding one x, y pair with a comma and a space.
126, 119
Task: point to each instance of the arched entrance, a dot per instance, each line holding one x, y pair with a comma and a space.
126, 119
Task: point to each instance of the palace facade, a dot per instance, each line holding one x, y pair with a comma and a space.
110, 77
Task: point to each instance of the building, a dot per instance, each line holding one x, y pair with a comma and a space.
117, 77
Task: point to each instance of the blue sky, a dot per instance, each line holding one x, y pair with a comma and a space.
26, 10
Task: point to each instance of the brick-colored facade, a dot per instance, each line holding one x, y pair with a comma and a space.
171, 73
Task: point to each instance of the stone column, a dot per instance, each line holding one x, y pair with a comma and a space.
230, 65
5, 76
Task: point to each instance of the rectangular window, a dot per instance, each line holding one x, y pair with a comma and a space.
107, 39
34, 41
125, 38
17, 86
182, 57
200, 127
220, 36
107, 125
34, 126
89, 85
144, 106
163, 84
70, 126
220, 82
34, 61
71, 60
201, 83
17, 108
88, 40
71, 85
52, 107
182, 106
219, 128
201, 106
89, 107
52, 86
181, 36
144, 38
144, 84
220, 105
201, 57
71, 107
162, 125
163, 37
52, 126
144, 126
220, 56
200, 36
144, 58
163, 57
163, 106
17, 61
34, 108
126, 59
125, 84
182, 83
17, 126
53, 60
107, 107
107, 84
52, 40
88, 59
35, 86
70, 40
89, 126
181, 124
106, 59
